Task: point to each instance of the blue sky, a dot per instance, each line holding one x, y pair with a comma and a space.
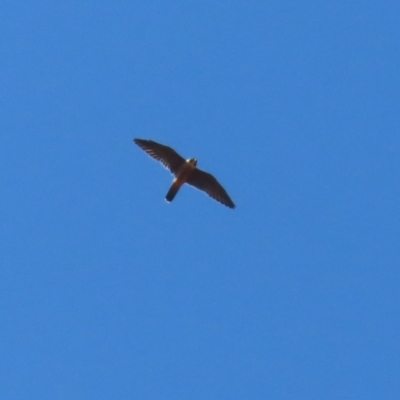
107, 291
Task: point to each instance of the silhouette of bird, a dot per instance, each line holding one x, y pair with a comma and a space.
185, 171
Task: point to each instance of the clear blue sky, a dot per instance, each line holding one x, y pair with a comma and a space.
108, 292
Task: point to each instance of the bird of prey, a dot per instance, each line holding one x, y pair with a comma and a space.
185, 171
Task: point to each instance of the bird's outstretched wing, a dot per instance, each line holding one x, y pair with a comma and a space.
206, 182
166, 155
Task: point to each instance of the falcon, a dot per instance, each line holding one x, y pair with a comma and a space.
185, 171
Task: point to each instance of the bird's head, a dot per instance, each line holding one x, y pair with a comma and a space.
192, 161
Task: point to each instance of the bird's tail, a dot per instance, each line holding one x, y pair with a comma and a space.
173, 190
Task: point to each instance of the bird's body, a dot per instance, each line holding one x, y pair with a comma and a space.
181, 177
185, 171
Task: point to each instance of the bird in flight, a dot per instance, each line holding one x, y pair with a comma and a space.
185, 171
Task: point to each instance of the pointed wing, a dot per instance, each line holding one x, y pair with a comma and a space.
166, 155
206, 182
